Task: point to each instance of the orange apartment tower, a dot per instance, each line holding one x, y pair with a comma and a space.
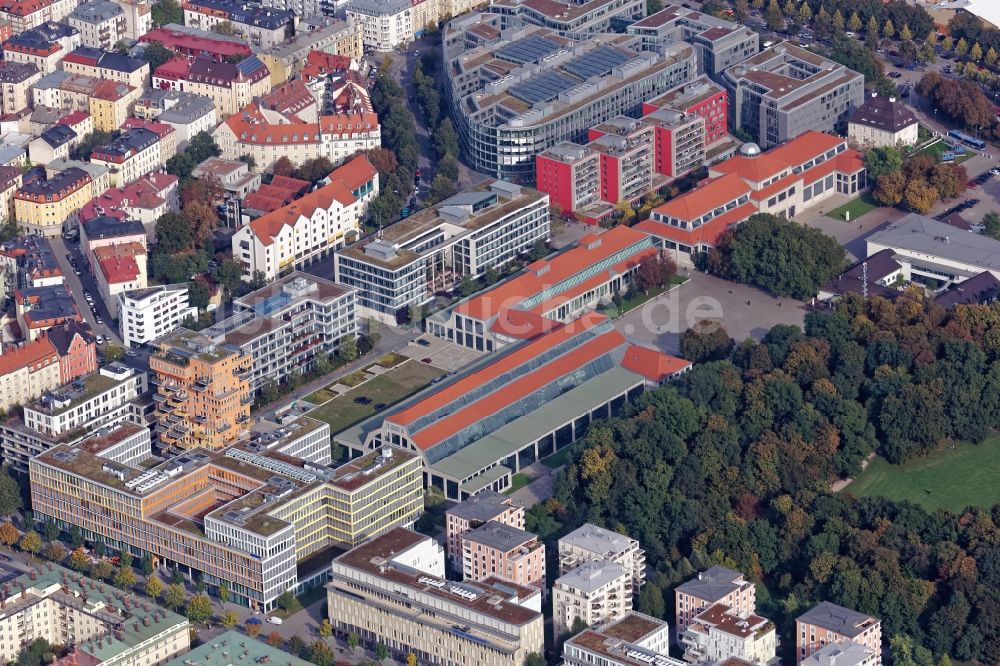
203, 391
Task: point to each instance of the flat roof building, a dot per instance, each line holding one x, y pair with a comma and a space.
829, 623
232, 645
718, 634
249, 516
594, 592
526, 89
391, 590
483, 507
505, 552
841, 653
590, 543
634, 640
785, 90
715, 585
526, 402
404, 264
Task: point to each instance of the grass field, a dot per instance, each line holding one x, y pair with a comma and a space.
518, 481
320, 396
856, 207
936, 149
557, 459
950, 479
388, 388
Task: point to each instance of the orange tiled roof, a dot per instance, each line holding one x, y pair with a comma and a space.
804, 147
251, 126
30, 355
355, 173
754, 169
522, 324
267, 227
118, 269
651, 364
707, 234
708, 197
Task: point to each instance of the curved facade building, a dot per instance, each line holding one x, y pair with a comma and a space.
517, 91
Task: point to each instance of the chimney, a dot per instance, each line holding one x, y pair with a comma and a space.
892, 100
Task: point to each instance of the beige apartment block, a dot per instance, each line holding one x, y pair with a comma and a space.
595, 591
829, 623
718, 634
476, 511
502, 551
716, 585
591, 542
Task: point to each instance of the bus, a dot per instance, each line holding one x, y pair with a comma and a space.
966, 139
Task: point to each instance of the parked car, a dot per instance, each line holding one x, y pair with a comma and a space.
423, 342
274, 620
131, 353
426, 359
972, 185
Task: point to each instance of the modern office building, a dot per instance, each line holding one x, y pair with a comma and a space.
285, 326
203, 391
784, 91
523, 90
717, 585
100, 625
146, 314
829, 623
248, 516
930, 250
717, 634
478, 428
882, 121
575, 20
391, 590
463, 236
700, 97
590, 543
625, 147
261, 27
483, 507
797, 175
593, 593
634, 640
101, 23
547, 292
308, 228
497, 550
719, 43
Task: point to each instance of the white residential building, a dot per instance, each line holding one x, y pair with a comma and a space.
235, 175
286, 325
146, 314
842, 653
590, 542
406, 263
595, 591
718, 634
634, 640
882, 121
101, 23
309, 228
138, 17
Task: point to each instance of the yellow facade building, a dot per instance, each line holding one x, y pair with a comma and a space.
48, 207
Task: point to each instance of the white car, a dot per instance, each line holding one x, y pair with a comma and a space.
274, 620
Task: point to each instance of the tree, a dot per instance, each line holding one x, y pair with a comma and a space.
274, 639
920, 195
102, 570
650, 601
176, 577
442, 188
352, 641
991, 222
199, 608
445, 139
534, 659
888, 29
54, 551
283, 167
113, 353
805, 12
78, 560
253, 629
325, 628
883, 160
156, 54
202, 220
872, 28
285, 600
706, 341
51, 530
789, 9
742, 10
348, 350
154, 587
224, 592
198, 294
225, 28
905, 34
9, 534
10, 493
229, 274
854, 23
173, 233
174, 597
383, 160
962, 47
249, 160
321, 654
976, 52
125, 578
947, 43
296, 646
889, 189
167, 11
539, 250
838, 22
991, 57
315, 169
381, 651
230, 619
411, 659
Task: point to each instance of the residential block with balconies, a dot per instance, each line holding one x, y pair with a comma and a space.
718, 634
504, 552
828, 623
203, 391
590, 542
594, 592
714, 586
476, 511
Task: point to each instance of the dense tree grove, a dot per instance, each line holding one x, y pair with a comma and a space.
921, 182
784, 257
958, 99
733, 465
398, 138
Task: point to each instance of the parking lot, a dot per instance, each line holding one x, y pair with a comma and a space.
441, 354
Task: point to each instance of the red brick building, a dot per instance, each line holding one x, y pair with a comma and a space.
77, 349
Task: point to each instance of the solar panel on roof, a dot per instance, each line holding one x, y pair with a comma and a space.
542, 88
250, 65
596, 62
529, 49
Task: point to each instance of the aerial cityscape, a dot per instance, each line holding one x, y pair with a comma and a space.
500, 333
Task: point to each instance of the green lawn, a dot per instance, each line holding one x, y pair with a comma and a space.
940, 147
320, 396
300, 602
557, 459
392, 359
629, 304
949, 479
388, 388
856, 207
353, 379
518, 481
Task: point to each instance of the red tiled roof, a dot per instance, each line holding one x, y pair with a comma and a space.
522, 324
282, 190
160, 129
708, 197
119, 269
546, 273
268, 226
180, 41
804, 147
290, 97
30, 355
651, 364
73, 118
355, 173
754, 169
177, 68
319, 63
707, 234
251, 126
143, 193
